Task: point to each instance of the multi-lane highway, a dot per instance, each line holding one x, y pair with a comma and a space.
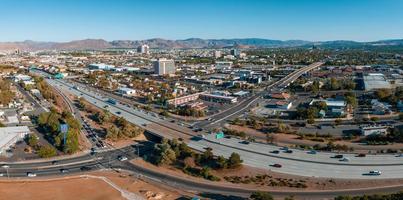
254, 154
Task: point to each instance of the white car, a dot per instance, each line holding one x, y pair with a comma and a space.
345, 159
30, 174
1, 174
122, 158
375, 173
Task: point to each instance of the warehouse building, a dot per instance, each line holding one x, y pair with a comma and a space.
374, 81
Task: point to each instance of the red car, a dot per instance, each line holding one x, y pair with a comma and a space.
276, 165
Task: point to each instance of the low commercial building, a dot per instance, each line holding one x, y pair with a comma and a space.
380, 108
11, 135
335, 107
218, 97
126, 91
100, 66
281, 105
181, 100
374, 81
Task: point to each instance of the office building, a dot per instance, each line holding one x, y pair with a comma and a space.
164, 66
143, 49
234, 52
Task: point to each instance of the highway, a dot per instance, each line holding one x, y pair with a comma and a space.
253, 154
258, 155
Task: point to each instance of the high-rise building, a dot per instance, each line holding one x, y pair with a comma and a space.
234, 52
164, 66
143, 49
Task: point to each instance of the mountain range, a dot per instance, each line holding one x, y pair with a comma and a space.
99, 44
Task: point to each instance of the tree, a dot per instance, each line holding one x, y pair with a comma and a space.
221, 162
315, 87
164, 154
234, 160
383, 94
113, 133
351, 99
33, 140
47, 151
207, 155
334, 84
261, 196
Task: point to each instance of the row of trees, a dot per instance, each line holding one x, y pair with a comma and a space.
339, 84
388, 95
44, 88
395, 196
172, 152
45, 151
123, 129
6, 95
49, 122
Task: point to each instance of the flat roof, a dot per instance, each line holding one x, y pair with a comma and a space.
375, 81
9, 133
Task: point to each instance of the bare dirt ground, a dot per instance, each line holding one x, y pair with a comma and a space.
88, 188
246, 172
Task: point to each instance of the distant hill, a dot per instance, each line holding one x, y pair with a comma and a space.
99, 44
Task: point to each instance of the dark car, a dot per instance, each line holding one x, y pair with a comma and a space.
361, 155
338, 156
276, 165
85, 168
275, 151
245, 142
288, 151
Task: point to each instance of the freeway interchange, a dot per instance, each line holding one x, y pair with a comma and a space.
298, 162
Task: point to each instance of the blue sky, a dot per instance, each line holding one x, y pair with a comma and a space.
65, 20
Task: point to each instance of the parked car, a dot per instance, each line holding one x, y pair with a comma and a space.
275, 151
361, 155
276, 165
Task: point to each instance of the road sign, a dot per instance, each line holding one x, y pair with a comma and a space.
219, 135
64, 128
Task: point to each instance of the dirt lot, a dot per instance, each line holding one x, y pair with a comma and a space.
89, 188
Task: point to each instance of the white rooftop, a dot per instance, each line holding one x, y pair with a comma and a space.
7, 134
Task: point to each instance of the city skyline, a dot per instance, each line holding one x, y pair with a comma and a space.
63, 21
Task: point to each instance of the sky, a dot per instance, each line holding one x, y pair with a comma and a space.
314, 20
